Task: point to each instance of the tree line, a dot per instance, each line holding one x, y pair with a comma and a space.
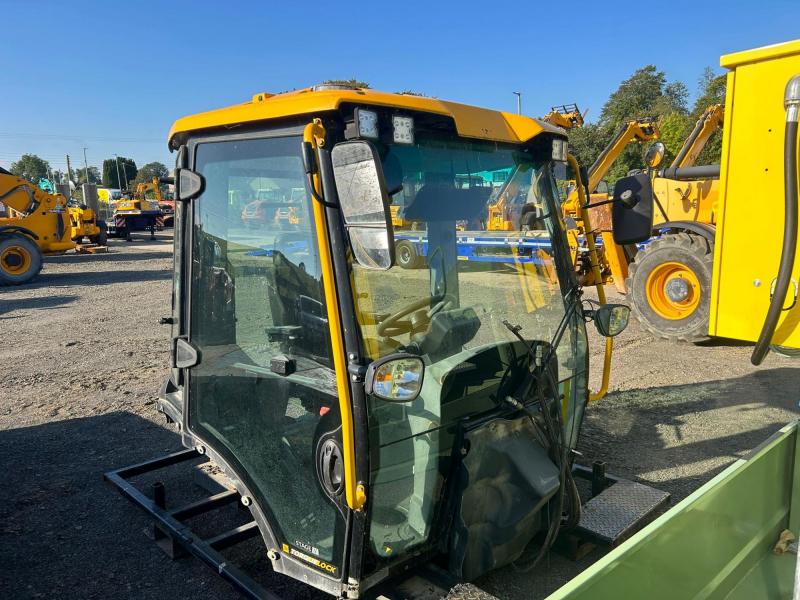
647, 93
117, 172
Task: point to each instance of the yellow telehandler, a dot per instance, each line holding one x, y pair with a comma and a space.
38, 223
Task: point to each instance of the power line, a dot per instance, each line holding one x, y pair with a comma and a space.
53, 136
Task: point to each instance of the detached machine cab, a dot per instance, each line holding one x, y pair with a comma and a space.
375, 419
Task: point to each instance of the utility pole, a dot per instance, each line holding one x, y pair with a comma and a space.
85, 166
69, 170
519, 102
119, 179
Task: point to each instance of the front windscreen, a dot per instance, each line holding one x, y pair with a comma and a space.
480, 249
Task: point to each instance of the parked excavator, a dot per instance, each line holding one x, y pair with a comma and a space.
37, 223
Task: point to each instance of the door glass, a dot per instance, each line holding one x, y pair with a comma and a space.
257, 307
480, 250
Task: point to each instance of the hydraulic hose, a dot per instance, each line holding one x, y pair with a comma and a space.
792, 104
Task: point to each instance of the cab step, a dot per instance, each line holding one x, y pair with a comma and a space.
617, 509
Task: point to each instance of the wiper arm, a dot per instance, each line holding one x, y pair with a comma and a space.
572, 297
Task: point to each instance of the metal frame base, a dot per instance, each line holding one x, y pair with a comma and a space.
175, 537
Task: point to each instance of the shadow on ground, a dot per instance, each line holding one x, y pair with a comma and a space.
65, 533
43, 303
679, 437
112, 256
46, 280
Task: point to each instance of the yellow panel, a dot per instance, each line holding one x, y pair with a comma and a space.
736, 59
470, 121
750, 221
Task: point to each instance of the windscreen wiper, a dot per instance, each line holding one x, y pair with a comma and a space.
571, 299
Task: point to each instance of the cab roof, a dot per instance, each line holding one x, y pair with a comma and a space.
470, 121
729, 61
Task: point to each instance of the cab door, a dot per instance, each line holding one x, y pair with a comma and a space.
262, 396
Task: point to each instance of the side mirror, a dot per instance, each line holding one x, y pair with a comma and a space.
611, 319
632, 210
655, 154
189, 184
395, 378
364, 202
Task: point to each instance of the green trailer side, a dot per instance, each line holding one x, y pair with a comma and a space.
717, 543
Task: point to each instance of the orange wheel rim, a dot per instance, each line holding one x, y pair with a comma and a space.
673, 291
15, 260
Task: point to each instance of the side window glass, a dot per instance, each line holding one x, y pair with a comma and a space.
264, 394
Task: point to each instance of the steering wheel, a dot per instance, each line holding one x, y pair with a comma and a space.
393, 325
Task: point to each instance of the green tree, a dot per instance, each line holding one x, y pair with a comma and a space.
30, 167
94, 175
587, 142
646, 93
674, 128
151, 170
127, 171
711, 91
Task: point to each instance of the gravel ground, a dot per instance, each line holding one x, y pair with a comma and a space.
83, 359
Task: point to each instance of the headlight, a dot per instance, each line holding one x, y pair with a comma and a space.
367, 122
560, 150
403, 129
396, 378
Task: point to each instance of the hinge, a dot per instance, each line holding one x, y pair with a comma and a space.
357, 372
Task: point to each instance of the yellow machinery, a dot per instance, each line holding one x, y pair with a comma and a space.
37, 223
613, 262
135, 212
375, 420
84, 223
758, 190
670, 278
714, 267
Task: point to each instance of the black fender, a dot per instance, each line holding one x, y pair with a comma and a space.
18, 229
705, 230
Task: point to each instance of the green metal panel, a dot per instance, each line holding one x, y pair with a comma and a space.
714, 544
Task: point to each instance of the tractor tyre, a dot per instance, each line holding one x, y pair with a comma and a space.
101, 239
20, 259
406, 255
669, 286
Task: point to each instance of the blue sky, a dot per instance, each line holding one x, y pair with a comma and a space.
113, 76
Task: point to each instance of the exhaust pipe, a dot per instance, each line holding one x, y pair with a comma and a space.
791, 102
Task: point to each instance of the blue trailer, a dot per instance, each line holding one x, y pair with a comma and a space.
411, 247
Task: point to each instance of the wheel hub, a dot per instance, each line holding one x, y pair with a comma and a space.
677, 289
14, 259
673, 291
